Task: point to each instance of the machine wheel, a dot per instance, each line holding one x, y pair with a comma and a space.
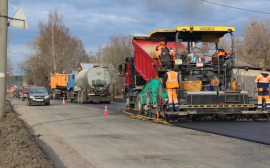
47, 104
139, 103
130, 106
150, 114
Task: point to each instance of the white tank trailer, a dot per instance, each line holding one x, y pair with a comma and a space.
91, 85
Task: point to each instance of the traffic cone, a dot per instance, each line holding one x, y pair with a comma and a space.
63, 101
106, 110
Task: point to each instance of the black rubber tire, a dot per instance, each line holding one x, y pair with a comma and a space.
81, 101
54, 96
79, 97
130, 106
28, 103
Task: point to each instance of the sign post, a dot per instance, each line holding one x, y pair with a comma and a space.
3, 54
19, 21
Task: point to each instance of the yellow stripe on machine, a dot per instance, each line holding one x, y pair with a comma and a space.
194, 28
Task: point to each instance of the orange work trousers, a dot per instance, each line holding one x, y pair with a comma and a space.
172, 96
173, 99
267, 102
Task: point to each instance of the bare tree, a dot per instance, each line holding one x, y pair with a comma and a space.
255, 42
114, 53
55, 51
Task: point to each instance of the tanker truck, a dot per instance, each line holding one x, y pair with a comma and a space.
89, 85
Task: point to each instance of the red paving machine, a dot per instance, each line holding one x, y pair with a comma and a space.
208, 89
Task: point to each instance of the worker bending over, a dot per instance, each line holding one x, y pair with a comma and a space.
170, 82
221, 53
161, 49
262, 81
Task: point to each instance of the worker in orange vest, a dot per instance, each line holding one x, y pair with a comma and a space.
160, 47
262, 81
219, 54
170, 82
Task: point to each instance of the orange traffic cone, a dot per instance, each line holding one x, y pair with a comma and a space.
63, 101
106, 110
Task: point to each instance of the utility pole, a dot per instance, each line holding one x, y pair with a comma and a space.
3, 53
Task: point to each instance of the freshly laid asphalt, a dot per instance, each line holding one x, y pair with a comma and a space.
255, 131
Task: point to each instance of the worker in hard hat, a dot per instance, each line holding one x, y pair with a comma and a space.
171, 83
262, 81
159, 47
163, 50
220, 53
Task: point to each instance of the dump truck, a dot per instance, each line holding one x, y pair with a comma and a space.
89, 85
58, 85
207, 86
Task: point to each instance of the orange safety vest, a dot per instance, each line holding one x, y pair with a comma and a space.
172, 81
219, 54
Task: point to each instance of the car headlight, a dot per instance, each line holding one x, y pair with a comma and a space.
46, 97
31, 97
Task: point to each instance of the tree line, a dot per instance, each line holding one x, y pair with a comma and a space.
55, 50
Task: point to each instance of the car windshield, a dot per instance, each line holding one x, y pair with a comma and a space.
38, 90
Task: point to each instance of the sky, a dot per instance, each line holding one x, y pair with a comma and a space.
93, 21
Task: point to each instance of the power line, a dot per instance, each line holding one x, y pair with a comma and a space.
235, 7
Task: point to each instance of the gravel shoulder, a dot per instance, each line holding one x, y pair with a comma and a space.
18, 147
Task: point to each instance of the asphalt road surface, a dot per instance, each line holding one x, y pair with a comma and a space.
256, 131
79, 135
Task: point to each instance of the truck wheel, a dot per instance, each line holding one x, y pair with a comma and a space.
82, 101
54, 96
79, 97
139, 103
68, 98
28, 103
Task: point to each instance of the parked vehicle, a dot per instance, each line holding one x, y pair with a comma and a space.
19, 94
15, 92
25, 90
58, 85
38, 95
12, 89
89, 85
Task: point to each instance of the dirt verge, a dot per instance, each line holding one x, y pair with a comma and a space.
18, 148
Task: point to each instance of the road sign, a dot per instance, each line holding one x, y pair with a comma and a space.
19, 20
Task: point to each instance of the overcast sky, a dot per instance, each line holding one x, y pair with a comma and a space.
93, 21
